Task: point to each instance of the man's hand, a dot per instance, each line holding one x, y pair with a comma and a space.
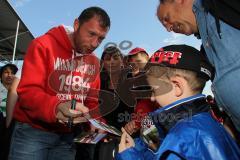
126, 141
64, 112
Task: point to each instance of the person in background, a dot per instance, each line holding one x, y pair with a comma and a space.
7, 73
137, 58
112, 65
12, 98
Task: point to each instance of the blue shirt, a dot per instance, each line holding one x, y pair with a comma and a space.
224, 54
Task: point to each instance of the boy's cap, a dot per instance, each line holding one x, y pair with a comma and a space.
136, 51
182, 57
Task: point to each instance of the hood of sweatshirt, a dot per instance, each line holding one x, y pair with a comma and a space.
60, 35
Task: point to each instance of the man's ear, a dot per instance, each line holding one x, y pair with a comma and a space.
76, 25
178, 85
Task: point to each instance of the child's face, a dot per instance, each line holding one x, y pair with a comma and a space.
163, 91
138, 61
112, 63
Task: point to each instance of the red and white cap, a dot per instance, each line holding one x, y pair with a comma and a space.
136, 51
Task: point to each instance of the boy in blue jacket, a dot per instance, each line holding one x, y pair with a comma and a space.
184, 126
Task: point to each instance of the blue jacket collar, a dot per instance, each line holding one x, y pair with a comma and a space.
166, 117
179, 102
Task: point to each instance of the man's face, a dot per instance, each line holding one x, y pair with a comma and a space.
7, 76
177, 16
88, 36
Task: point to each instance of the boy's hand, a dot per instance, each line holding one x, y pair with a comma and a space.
131, 127
126, 141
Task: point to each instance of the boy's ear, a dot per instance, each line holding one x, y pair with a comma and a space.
178, 85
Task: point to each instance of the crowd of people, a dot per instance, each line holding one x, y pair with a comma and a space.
156, 101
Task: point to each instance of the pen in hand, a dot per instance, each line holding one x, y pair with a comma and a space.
70, 119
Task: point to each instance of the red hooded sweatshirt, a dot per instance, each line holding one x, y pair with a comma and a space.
53, 73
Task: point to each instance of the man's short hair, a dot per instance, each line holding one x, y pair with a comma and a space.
91, 12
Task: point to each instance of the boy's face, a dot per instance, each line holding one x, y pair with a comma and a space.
7, 76
162, 90
138, 61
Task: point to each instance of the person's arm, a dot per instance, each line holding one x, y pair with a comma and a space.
11, 101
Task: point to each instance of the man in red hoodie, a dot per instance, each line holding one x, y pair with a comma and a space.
58, 68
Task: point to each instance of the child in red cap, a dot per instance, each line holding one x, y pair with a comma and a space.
137, 58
